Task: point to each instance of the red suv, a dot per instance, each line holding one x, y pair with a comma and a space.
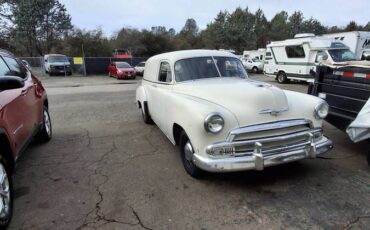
121, 70
23, 116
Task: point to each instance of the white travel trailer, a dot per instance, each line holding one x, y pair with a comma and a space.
251, 54
357, 41
297, 58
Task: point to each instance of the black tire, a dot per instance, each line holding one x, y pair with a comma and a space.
281, 78
146, 115
69, 73
46, 131
50, 74
368, 153
6, 198
255, 70
188, 163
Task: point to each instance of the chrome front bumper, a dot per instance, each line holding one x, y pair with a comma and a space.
262, 155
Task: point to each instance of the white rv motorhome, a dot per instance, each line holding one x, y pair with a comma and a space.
251, 54
357, 41
297, 58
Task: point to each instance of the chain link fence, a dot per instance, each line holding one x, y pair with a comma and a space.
93, 65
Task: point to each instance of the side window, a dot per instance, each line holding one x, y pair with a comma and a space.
165, 74
295, 51
268, 56
4, 69
16, 68
320, 53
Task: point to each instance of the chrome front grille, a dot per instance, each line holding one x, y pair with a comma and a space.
272, 138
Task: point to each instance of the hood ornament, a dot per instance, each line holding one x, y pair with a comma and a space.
274, 112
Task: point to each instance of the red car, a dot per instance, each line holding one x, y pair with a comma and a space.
121, 70
23, 116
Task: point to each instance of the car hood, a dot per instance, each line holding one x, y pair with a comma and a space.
246, 99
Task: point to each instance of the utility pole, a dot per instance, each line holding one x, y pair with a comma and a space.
83, 57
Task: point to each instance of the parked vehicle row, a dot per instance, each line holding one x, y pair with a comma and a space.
297, 58
205, 103
24, 116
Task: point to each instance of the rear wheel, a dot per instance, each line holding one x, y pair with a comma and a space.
187, 152
6, 194
145, 114
281, 78
46, 131
368, 153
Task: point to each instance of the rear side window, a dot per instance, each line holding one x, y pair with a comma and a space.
165, 74
15, 67
4, 69
295, 51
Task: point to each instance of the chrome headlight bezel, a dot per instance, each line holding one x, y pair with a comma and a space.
215, 118
321, 110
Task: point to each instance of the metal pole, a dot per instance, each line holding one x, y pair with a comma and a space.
83, 57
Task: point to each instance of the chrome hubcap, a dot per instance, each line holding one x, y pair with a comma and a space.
281, 78
188, 151
47, 123
4, 193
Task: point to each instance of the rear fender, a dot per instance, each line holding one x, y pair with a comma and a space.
141, 96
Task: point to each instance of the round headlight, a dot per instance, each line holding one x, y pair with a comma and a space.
321, 110
214, 123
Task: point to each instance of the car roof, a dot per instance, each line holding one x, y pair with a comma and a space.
184, 54
6, 53
153, 63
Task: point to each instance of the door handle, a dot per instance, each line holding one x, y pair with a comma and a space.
24, 92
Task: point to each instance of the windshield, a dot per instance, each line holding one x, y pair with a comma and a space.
123, 65
342, 55
58, 59
204, 67
256, 60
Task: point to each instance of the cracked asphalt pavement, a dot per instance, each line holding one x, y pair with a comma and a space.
106, 169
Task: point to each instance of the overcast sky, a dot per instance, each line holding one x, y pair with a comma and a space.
143, 14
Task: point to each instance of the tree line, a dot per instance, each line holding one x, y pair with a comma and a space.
38, 27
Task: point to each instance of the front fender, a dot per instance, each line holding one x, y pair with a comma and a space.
190, 112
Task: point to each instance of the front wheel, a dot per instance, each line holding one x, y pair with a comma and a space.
281, 78
255, 70
46, 131
6, 195
187, 152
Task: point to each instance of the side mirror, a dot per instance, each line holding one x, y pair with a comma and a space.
321, 58
25, 63
10, 82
